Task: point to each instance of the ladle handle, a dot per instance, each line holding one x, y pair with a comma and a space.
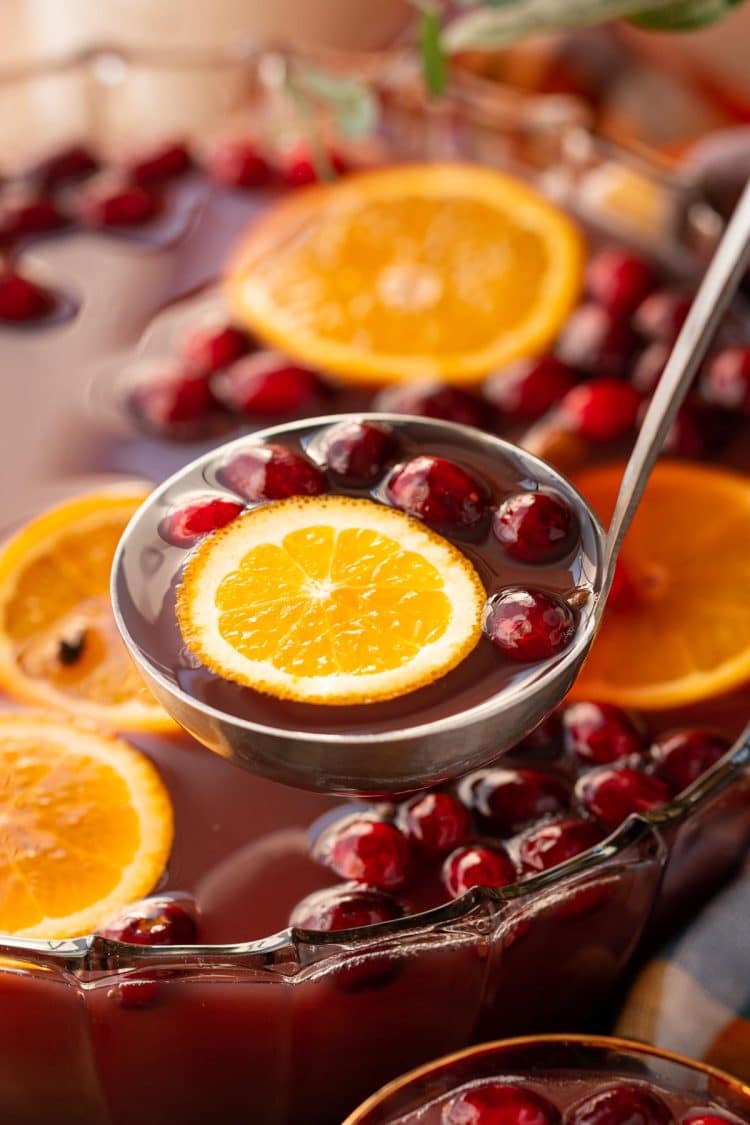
716, 290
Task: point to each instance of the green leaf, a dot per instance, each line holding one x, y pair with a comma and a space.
685, 15
433, 59
354, 105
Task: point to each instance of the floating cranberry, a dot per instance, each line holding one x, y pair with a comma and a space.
597, 734
437, 822
185, 524
298, 167
628, 1103
267, 385
611, 795
545, 846
21, 299
344, 908
619, 280
30, 215
166, 161
477, 866
434, 400
106, 204
706, 1117
596, 341
681, 757
529, 625
506, 800
601, 410
71, 163
172, 400
210, 349
136, 995
529, 388
153, 921
239, 164
535, 527
439, 492
499, 1103
357, 453
662, 315
271, 472
649, 367
725, 380
366, 850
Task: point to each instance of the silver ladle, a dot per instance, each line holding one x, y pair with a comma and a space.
393, 761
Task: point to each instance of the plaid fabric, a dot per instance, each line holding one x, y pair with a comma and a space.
695, 997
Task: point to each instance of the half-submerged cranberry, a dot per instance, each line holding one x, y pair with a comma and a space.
699, 1116
21, 299
611, 795
681, 757
435, 400
239, 164
535, 527
477, 865
627, 1103
601, 410
438, 491
209, 349
725, 380
357, 452
618, 279
135, 995
71, 163
366, 850
172, 401
184, 525
506, 800
29, 214
436, 822
545, 846
107, 204
499, 1103
596, 341
267, 385
153, 921
529, 388
529, 625
165, 161
344, 908
271, 472
599, 733
662, 315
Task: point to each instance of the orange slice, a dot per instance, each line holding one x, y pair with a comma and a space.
330, 600
434, 270
59, 646
678, 628
85, 826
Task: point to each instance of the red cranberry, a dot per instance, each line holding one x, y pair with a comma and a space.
601, 410
624, 593
529, 625
528, 389
172, 400
545, 846
507, 800
238, 164
596, 342
619, 280
116, 205
267, 385
72, 163
434, 400
30, 215
154, 921
689, 435
704, 1117
186, 524
344, 908
649, 367
535, 527
298, 168
599, 733
164, 162
611, 795
357, 452
726, 379
272, 472
681, 757
628, 1103
136, 995
21, 299
499, 1103
477, 866
662, 315
210, 349
439, 492
437, 822
366, 850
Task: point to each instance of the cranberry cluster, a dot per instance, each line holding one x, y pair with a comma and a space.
572, 782
73, 187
